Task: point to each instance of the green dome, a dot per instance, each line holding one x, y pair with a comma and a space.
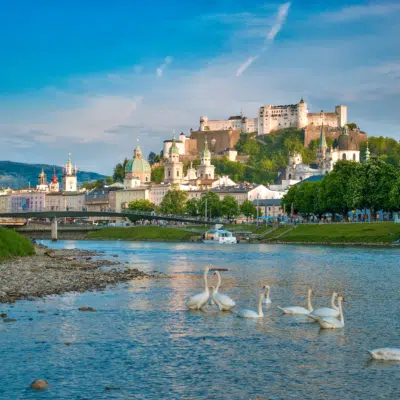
173, 148
138, 164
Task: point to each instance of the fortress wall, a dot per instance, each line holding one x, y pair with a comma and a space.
330, 119
223, 139
312, 132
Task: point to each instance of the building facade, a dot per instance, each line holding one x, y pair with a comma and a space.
238, 123
69, 178
272, 118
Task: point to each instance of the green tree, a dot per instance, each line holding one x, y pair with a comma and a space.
193, 207
213, 205
174, 202
229, 207
394, 196
151, 158
141, 205
352, 125
119, 171
288, 199
248, 209
157, 174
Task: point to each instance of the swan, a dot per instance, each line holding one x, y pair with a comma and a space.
224, 302
295, 310
332, 311
385, 353
266, 299
332, 322
198, 301
245, 313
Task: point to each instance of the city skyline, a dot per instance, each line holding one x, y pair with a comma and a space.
90, 80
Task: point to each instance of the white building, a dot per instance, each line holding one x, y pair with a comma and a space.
272, 118
243, 124
69, 178
206, 170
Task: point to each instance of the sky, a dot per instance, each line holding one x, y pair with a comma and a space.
91, 77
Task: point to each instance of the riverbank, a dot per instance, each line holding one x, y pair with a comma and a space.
145, 233
52, 272
357, 234
14, 245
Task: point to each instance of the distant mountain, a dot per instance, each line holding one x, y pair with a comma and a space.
16, 175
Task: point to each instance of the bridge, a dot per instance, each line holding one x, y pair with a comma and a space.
132, 215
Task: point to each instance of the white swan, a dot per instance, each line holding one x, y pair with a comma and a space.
295, 310
224, 302
333, 311
332, 322
385, 353
245, 313
266, 299
198, 301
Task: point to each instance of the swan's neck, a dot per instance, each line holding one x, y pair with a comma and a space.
341, 312
268, 289
333, 305
260, 311
309, 305
205, 282
219, 281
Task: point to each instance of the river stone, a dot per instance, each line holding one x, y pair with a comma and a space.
9, 320
87, 309
4, 315
39, 384
50, 253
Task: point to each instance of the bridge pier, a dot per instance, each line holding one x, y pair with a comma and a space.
54, 229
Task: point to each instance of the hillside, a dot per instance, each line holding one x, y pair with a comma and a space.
16, 175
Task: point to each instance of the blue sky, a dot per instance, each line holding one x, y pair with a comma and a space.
89, 77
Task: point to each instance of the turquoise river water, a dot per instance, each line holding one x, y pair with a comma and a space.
143, 343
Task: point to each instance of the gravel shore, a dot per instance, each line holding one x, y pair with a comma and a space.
58, 271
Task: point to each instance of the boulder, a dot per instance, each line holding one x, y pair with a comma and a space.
39, 384
50, 253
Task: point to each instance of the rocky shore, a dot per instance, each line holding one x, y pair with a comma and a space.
59, 271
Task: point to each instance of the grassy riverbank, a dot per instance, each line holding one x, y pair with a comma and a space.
362, 233
138, 233
12, 244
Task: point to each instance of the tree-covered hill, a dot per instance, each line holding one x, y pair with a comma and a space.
16, 175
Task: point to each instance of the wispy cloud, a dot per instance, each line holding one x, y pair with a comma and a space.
353, 13
270, 37
161, 68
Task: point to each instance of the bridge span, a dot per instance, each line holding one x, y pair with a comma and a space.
132, 215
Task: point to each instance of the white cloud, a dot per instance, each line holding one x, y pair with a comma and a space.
270, 37
161, 68
353, 13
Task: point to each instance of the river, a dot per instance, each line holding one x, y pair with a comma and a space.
143, 344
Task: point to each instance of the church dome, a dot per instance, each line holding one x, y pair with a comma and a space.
138, 164
174, 148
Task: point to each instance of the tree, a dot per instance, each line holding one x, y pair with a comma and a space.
213, 205
288, 199
151, 158
157, 174
229, 207
352, 125
174, 202
193, 207
141, 205
248, 209
119, 171
395, 195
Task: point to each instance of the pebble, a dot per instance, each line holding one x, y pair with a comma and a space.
3, 315
87, 309
39, 384
9, 320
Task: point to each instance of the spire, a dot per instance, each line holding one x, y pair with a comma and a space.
367, 154
322, 138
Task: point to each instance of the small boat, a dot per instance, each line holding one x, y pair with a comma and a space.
219, 235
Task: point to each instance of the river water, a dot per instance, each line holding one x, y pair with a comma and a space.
143, 344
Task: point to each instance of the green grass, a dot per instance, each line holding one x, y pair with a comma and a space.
344, 233
142, 233
12, 244
277, 232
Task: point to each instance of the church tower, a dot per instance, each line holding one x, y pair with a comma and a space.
69, 179
42, 185
205, 170
54, 184
173, 168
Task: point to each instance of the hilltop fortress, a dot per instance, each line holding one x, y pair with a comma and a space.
272, 118
223, 134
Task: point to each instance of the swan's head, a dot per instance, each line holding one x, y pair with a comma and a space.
206, 269
266, 287
216, 273
341, 298
310, 291
334, 294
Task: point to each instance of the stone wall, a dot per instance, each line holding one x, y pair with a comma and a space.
313, 132
223, 139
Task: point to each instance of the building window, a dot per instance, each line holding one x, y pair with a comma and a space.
177, 173
354, 157
344, 156
169, 172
